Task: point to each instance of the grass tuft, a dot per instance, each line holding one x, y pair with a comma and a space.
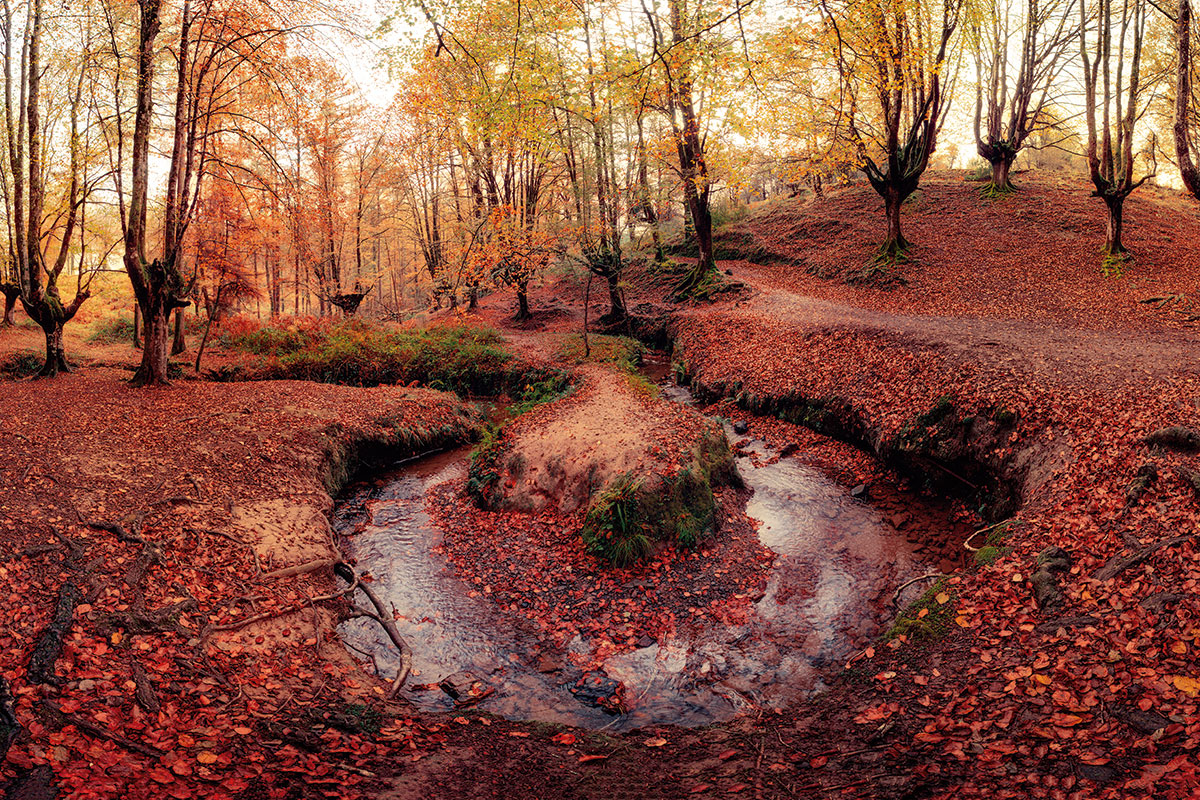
614, 528
112, 330
24, 364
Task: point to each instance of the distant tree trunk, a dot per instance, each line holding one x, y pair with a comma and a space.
11, 294
179, 342
523, 312
212, 316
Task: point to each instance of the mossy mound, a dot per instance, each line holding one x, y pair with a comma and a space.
625, 521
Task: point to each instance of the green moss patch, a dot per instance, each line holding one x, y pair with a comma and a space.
625, 520
926, 619
464, 359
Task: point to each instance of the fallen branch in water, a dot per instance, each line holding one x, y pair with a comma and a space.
346, 572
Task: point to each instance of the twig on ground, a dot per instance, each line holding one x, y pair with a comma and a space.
906, 584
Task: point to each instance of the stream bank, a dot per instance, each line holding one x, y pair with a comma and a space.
507, 610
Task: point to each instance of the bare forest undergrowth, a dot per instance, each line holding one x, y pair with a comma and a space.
1016, 368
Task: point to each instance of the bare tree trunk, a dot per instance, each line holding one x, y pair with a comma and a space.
212, 315
11, 293
523, 312
1183, 98
1113, 246
137, 326
153, 369
895, 244
179, 341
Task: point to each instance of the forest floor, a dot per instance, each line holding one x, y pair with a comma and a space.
1095, 696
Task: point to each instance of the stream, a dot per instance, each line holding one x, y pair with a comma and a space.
828, 594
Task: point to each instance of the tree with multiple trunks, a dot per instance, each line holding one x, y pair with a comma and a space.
1013, 96
215, 48
895, 69
1111, 41
42, 227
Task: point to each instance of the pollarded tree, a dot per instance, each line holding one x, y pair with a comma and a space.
1114, 99
1015, 88
36, 222
894, 61
215, 48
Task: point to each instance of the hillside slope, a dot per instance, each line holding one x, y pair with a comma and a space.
1033, 256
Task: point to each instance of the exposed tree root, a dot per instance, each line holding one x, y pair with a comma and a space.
50, 643
1118, 564
117, 529
1145, 478
1176, 437
144, 692
62, 719
10, 726
1051, 562
162, 620
30, 552
235, 540
930, 577
299, 569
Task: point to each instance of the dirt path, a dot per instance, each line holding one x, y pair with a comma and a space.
1054, 352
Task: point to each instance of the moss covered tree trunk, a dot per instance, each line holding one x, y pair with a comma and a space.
56, 357
616, 300
1000, 179
156, 346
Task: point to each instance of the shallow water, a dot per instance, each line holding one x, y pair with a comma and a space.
827, 596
